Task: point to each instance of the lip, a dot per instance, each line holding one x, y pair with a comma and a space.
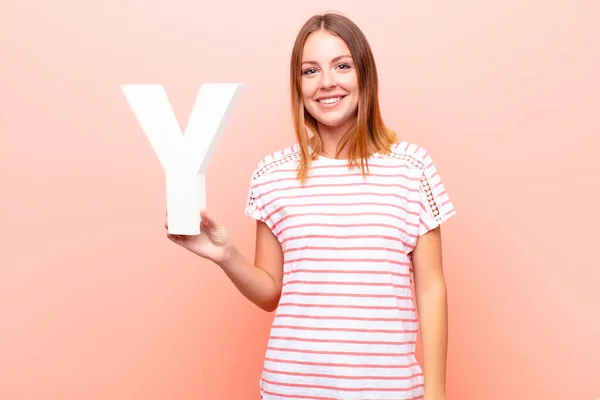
331, 96
330, 105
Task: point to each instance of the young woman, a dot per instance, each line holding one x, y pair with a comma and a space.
346, 217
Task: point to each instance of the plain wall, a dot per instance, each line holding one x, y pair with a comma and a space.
96, 303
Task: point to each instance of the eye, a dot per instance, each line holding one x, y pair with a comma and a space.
344, 66
308, 71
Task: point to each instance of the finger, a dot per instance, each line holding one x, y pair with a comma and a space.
175, 238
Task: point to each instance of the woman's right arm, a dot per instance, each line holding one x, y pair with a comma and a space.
259, 282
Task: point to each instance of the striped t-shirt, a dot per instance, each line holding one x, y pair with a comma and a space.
346, 323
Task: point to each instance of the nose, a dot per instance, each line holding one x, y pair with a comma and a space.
327, 79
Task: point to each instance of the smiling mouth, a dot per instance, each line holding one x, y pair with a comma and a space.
330, 100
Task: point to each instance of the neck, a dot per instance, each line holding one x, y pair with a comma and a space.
331, 137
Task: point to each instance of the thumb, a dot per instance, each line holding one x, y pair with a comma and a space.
209, 219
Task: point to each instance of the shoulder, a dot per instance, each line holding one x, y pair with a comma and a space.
430, 180
413, 153
276, 159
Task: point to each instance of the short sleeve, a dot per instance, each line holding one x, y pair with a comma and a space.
253, 208
435, 203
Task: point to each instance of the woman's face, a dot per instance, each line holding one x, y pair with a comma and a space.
329, 80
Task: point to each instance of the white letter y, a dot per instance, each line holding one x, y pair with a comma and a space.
184, 157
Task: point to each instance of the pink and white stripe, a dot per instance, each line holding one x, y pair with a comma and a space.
346, 324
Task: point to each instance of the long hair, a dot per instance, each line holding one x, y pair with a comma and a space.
368, 134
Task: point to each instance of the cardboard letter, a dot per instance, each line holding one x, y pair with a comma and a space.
183, 156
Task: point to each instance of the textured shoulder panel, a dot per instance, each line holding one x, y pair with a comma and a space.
435, 199
414, 154
276, 159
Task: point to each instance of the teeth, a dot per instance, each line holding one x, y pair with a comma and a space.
330, 101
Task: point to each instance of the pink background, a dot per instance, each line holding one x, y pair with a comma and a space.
96, 303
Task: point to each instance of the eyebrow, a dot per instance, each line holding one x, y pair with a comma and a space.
334, 59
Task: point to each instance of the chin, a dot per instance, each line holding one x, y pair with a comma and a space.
331, 123
331, 119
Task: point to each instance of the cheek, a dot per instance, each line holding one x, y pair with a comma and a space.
348, 82
308, 88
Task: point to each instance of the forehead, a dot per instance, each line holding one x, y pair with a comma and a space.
322, 46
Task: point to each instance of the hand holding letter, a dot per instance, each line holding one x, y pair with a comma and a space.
212, 243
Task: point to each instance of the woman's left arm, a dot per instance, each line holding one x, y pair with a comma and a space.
430, 288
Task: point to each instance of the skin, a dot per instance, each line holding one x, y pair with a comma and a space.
431, 298
328, 71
